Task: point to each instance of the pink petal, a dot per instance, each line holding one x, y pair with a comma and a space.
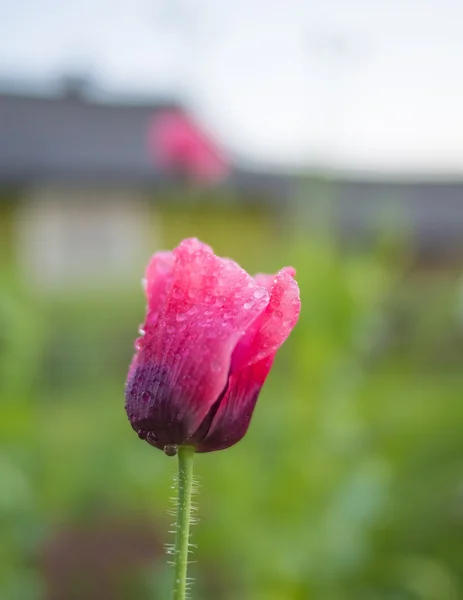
210, 303
274, 325
234, 413
252, 360
158, 283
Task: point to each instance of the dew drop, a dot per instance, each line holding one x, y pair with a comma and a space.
180, 316
142, 433
151, 437
177, 292
278, 314
192, 310
259, 293
146, 396
228, 315
247, 305
171, 449
215, 366
170, 329
141, 330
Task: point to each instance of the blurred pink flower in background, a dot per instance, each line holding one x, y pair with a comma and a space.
179, 146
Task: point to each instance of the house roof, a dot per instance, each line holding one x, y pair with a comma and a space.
69, 138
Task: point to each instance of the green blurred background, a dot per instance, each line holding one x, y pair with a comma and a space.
348, 484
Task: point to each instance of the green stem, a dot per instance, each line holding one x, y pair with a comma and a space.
182, 527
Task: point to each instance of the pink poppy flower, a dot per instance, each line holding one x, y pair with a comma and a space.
209, 340
178, 145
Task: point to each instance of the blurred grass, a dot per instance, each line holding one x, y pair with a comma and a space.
348, 484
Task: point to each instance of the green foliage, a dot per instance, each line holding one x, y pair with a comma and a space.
347, 486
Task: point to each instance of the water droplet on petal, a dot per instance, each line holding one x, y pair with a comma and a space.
247, 305
171, 449
170, 329
215, 366
142, 433
259, 293
181, 316
146, 396
192, 310
177, 292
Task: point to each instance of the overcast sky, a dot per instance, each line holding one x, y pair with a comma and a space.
364, 84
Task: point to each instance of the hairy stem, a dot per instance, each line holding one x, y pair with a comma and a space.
182, 527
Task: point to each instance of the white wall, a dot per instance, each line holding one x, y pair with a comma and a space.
84, 237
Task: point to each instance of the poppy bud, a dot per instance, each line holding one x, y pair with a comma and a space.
209, 339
